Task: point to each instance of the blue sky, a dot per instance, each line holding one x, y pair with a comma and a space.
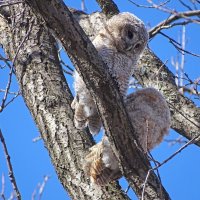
31, 161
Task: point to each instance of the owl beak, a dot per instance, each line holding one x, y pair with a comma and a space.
129, 48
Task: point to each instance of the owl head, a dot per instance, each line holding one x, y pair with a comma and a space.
128, 33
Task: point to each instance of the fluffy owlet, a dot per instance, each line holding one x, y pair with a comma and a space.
120, 43
150, 117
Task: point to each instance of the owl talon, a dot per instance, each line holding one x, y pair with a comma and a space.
101, 164
80, 124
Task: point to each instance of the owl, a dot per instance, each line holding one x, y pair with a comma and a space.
120, 44
150, 117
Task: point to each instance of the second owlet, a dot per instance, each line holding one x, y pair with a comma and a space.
150, 117
120, 44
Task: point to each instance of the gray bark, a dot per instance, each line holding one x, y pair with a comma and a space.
48, 98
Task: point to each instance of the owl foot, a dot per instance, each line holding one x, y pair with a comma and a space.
101, 164
82, 119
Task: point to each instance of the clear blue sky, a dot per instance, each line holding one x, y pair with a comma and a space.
31, 161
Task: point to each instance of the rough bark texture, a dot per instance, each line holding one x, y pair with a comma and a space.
48, 98
108, 7
99, 82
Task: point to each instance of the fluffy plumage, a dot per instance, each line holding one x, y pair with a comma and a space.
150, 117
120, 44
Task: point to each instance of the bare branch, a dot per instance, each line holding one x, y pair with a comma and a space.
185, 5
11, 100
69, 70
7, 90
158, 165
108, 7
10, 169
153, 6
83, 6
153, 31
178, 46
3, 187
42, 186
178, 140
36, 139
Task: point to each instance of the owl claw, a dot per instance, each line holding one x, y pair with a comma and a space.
80, 124
97, 167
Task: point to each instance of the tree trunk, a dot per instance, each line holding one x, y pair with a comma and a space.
48, 98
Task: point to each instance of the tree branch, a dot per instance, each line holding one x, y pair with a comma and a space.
162, 25
109, 8
10, 169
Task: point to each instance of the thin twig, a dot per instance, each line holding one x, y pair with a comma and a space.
36, 139
128, 188
182, 58
83, 6
178, 45
3, 187
42, 186
185, 5
12, 67
165, 161
12, 100
13, 93
153, 31
153, 6
7, 90
67, 72
10, 169
179, 140
63, 63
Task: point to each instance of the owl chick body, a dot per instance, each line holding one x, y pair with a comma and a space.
120, 44
150, 117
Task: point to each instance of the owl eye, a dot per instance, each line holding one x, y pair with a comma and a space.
137, 46
130, 35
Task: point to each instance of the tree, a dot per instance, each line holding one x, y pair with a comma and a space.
27, 34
